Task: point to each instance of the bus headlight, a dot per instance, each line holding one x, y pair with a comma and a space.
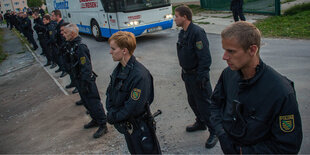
169, 16
133, 23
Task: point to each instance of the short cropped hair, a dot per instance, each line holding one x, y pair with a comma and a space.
57, 13
47, 17
124, 39
184, 10
246, 34
72, 28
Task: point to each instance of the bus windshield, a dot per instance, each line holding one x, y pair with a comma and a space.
135, 5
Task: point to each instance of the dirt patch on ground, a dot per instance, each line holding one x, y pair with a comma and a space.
36, 117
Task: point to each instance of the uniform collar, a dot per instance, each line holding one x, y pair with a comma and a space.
123, 73
77, 39
260, 68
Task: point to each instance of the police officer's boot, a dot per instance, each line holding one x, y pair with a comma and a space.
80, 102
198, 125
58, 70
211, 141
71, 85
63, 74
102, 130
91, 124
53, 65
75, 91
47, 64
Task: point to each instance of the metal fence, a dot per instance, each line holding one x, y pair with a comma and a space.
250, 6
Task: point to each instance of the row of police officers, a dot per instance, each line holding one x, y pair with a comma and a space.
253, 108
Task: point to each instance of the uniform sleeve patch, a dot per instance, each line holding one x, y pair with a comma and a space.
50, 32
135, 94
199, 45
287, 123
83, 60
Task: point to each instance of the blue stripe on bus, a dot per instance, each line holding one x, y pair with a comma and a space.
105, 32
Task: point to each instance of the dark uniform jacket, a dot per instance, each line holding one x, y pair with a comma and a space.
82, 64
39, 27
129, 90
193, 51
26, 25
260, 115
60, 39
51, 28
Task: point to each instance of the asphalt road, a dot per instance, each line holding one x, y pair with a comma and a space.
158, 53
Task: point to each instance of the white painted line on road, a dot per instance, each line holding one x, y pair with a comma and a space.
57, 83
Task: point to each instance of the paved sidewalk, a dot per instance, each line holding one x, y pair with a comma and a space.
19, 56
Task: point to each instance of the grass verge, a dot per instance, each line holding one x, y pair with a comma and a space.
294, 24
3, 55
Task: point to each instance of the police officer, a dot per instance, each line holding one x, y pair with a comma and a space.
7, 18
236, 6
128, 97
254, 108
195, 60
85, 77
27, 30
60, 40
52, 42
47, 30
38, 27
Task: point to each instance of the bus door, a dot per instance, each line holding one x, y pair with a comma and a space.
112, 15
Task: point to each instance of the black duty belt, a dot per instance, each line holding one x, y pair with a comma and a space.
189, 71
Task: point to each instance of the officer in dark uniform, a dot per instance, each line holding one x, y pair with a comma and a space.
27, 30
195, 60
12, 20
47, 30
82, 69
66, 56
60, 40
7, 18
236, 6
254, 108
38, 27
128, 97
52, 42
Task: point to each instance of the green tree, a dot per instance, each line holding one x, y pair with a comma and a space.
34, 3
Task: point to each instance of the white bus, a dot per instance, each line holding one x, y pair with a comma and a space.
102, 18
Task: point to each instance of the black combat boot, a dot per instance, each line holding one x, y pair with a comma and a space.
80, 102
91, 124
63, 74
101, 131
198, 125
58, 70
53, 65
47, 64
211, 141
71, 85
75, 91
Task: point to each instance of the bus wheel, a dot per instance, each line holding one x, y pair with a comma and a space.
95, 29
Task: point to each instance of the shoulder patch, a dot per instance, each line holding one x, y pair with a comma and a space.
199, 45
135, 94
83, 60
287, 123
50, 32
